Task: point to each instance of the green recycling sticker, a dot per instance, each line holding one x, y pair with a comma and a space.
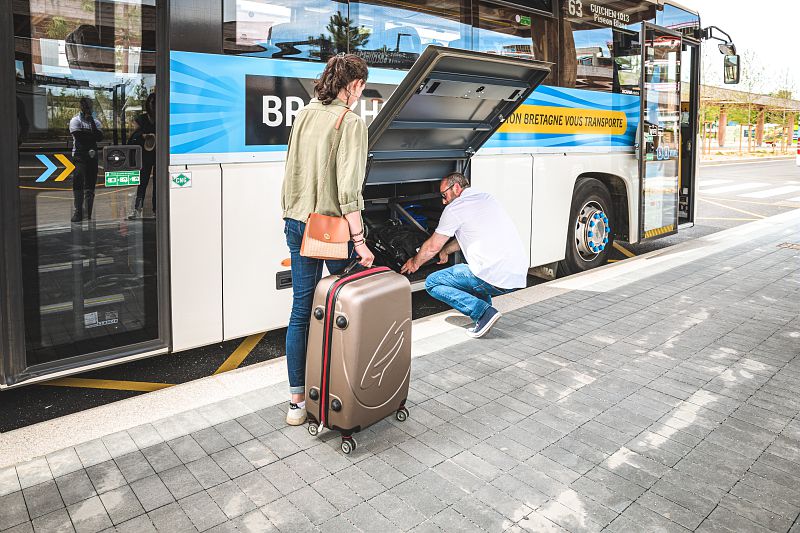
180, 180
122, 178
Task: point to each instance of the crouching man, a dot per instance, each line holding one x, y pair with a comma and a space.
483, 231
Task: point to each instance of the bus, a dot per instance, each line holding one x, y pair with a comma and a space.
178, 241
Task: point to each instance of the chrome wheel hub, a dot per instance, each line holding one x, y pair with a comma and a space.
592, 231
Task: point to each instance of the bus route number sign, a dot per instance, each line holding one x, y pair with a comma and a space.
122, 178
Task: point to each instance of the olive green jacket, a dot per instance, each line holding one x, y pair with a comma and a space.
310, 142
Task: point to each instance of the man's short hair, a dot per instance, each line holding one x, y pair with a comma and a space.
457, 177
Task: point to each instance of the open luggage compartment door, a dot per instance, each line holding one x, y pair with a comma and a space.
447, 106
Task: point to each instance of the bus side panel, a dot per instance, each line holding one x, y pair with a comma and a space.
554, 179
196, 257
253, 247
509, 179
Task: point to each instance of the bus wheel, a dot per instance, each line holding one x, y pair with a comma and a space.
589, 237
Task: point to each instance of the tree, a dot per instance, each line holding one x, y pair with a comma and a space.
752, 81
342, 36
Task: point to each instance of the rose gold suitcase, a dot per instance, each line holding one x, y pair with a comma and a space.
359, 352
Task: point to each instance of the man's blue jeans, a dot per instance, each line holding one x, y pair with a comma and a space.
306, 273
462, 290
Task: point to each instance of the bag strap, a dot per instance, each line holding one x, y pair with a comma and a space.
336, 141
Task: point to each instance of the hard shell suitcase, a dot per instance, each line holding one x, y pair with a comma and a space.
358, 361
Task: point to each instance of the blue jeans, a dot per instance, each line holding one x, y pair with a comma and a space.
462, 290
306, 273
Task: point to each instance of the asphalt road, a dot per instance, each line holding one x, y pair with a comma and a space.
729, 195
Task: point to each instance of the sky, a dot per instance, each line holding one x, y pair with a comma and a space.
768, 28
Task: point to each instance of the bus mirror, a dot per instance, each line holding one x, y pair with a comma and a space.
731, 69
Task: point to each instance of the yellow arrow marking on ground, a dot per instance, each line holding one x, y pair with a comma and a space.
68, 167
111, 384
625, 251
240, 353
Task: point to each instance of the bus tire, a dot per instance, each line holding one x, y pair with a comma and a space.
591, 220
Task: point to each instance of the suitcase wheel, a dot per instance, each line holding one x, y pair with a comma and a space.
401, 414
348, 445
313, 429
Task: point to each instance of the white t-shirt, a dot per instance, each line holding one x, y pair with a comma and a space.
487, 237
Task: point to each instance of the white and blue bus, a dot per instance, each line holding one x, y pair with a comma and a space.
184, 246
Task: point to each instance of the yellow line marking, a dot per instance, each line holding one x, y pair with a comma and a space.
724, 218
732, 208
625, 251
109, 384
614, 260
68, 167
240, 353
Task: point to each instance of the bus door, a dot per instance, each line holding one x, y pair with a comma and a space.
690, 95
87, 249
659, 132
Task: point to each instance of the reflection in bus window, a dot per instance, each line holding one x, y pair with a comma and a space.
395, 33
515, 32
84, 69
307, 30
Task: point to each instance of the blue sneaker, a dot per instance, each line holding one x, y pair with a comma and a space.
484, 323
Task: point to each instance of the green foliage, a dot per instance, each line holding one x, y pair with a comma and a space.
59, 28
342, 35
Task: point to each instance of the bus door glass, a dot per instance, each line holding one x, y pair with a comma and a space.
659, 133
689, 104
85, 80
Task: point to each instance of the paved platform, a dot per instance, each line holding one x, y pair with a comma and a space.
656, 394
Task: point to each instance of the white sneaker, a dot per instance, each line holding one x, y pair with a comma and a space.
296, 415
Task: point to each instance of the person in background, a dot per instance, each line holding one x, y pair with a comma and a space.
86, 133
145, 136
311, 145
485, 234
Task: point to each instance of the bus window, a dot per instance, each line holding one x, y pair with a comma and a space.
393, 34
516, 32
307, 30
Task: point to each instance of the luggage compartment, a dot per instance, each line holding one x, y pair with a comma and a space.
448, 105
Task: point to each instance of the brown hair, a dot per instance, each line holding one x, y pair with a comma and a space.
340, 70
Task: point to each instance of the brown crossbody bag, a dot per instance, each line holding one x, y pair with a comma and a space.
326, 237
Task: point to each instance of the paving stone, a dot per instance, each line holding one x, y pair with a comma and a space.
255, 425
119, 444
570, 519
89, 516
279, 444
255, 522
367, 519
285, 517
305, 466
55, 522
42, 499
33, 472
451, 520
171, 518
207, 472
161, 457
337, 493
503, 503
210, 440
187, 449
61, 463
121, 504
360, 482
336, 524
140, 524
282, 477
202, 511
257, 488
14, 510
75, 487
145, 435
134, 466
233, 432
382, 472
231, 499
481, 514
105, 476
9, 482
520, 490
232, 462
670, 510
26, 527
180, 482
257, 453
313, 505
152, 493
92, 453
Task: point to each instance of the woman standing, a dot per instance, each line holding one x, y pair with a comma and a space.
324, 174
